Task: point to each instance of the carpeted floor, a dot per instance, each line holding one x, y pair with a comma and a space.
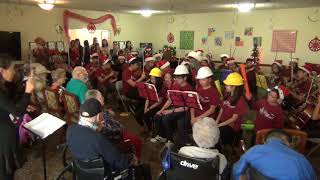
33, 169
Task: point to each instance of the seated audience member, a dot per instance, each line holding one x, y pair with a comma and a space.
275, 160
40, 77
208, 95
86, 143
77, 85
112, 128
206, 135
269, 113
58, 79
233, 109
129, 87
176, 115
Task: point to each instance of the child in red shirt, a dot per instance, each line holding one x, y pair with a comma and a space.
232, 110
176, 115
209, 97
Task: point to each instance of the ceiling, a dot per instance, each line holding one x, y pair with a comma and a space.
171, 6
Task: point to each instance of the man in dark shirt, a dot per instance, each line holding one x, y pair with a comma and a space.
86, 143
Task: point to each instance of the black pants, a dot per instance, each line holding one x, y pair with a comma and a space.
6, 177
149, 117
181, 120
227, 135
139, 105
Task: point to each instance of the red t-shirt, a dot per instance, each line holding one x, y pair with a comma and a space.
228, 111
100, 72
268, 116
208, 97
127, 75
187, 87
90, 67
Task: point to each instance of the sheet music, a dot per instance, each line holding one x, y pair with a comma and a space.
190, 98
44, 125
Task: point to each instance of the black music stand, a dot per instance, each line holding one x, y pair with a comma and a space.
43, 126
185, 99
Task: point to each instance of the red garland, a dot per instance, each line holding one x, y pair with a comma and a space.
68, 14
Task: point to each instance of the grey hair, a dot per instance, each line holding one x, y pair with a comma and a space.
57, 74
206, 132
92, 93
78, 72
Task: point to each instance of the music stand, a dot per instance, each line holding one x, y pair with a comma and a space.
185, 99
43, 126
148, 91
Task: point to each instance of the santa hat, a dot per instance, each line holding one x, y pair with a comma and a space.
103, 58
131, 58
158, 55
282, 90
134, 53
94, 55
163, 64
106, 61
200, 51
195, 55
148, 58
306, 68
277, 63
224, 55
296, 60
121, 57
231, 60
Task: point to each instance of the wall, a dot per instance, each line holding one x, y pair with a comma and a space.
263, 21
36, 22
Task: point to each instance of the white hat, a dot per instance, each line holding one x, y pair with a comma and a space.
134, 53
94, 55
149, 59
121, 57
204, 72
181, 70
206, 133
158, 55
277, 63
185, 63
195, 55
224, 55
162, 64
106, 61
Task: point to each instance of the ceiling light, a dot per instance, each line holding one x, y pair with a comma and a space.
146, 13
47, 5
245, 7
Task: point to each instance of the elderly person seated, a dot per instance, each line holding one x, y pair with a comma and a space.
206, 135
77, 85
112, 128
274, 160
58, 78
85, 142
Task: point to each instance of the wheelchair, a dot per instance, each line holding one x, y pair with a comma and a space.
180, 167
94, 169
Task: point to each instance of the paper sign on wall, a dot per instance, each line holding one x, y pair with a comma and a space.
218, 41
211, 31
204, 40
248, 31
238, 41
284, 41
186, 40
229, 34
257, 41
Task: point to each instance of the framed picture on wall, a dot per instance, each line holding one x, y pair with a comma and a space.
122, 44
32, 46
60, 46
106, 34
52, 45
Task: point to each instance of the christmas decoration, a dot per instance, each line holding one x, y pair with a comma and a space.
91, 28
314, 44
68, 14
170, 38
171, 49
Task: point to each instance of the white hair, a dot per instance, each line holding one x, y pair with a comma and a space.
79, 73
206, 132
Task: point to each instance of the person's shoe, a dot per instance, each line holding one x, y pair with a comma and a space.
158, 139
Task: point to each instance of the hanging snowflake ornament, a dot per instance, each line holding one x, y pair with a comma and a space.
170, 38
91, 28
314, 45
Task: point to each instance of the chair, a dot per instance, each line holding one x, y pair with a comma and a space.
72, 106
298, 143
188, 168
314, 141
53, 102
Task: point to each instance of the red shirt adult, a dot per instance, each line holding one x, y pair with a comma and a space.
208, 97
228, 111
127, 75
268, 116
101, 72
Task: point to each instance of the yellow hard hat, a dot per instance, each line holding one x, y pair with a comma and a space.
156, 72
233, 79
